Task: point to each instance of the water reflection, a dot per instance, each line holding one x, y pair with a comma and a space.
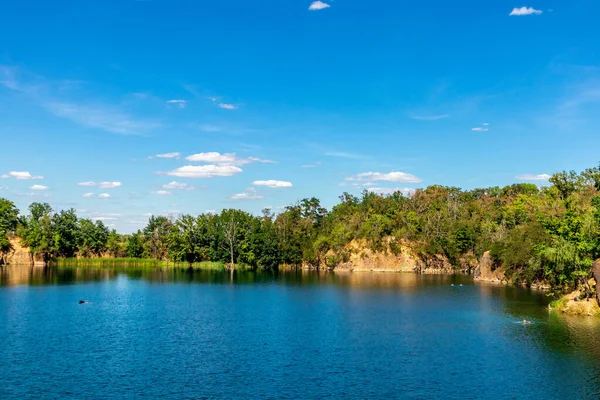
401, 325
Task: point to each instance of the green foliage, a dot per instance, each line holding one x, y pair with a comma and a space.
550, 234
36, 231
9, 216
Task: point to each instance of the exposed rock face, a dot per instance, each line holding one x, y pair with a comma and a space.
574, 304
596, 274
486, 273
20, 255
362, 258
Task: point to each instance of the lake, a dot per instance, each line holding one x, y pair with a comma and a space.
187, 335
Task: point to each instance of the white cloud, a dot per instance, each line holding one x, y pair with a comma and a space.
20, 175
246, 196
258, 160
179, 103
167, 155
45, 195
104, 218
104, 196
224, 159
519, 12
88, 195
101, 185
483, 128
228, 106
214, 158
162, 193
318, 5
430, 117
532, 177
343, 154
3, 188
273, 184
178, 186
203, 171
370, 177
38, 187
388, 191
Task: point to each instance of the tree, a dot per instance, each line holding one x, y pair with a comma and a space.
115, 245
9, 218
93, 238
36, 231
135, 245
157, 233
233, 227
65, 233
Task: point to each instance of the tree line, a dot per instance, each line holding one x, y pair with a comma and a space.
549, 234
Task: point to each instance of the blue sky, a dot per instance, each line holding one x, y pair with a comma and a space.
121, 108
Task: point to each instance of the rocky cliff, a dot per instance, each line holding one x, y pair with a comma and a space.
19, 255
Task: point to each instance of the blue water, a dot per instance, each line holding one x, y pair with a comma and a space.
180, 335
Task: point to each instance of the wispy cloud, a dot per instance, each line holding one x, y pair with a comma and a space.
54, 97
214, 157
104, 196
203, 171
228, 106
313, 165
102, 117
273, 184
483, 128
389, 177
343, 154
522, 11
88, 195
318, 5
102, 185
430, 117
178, 186
44, 195
167, 155
532, 177
249, 194
178, 103
38, 187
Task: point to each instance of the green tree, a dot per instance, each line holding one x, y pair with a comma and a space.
36, 232
9, 218
65, 233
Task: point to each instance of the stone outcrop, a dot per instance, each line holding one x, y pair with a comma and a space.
361, 258
485, 271
575, 304
19, 255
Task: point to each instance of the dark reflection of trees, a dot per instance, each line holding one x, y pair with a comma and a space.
18, 275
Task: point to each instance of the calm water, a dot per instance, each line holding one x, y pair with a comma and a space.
174, 335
